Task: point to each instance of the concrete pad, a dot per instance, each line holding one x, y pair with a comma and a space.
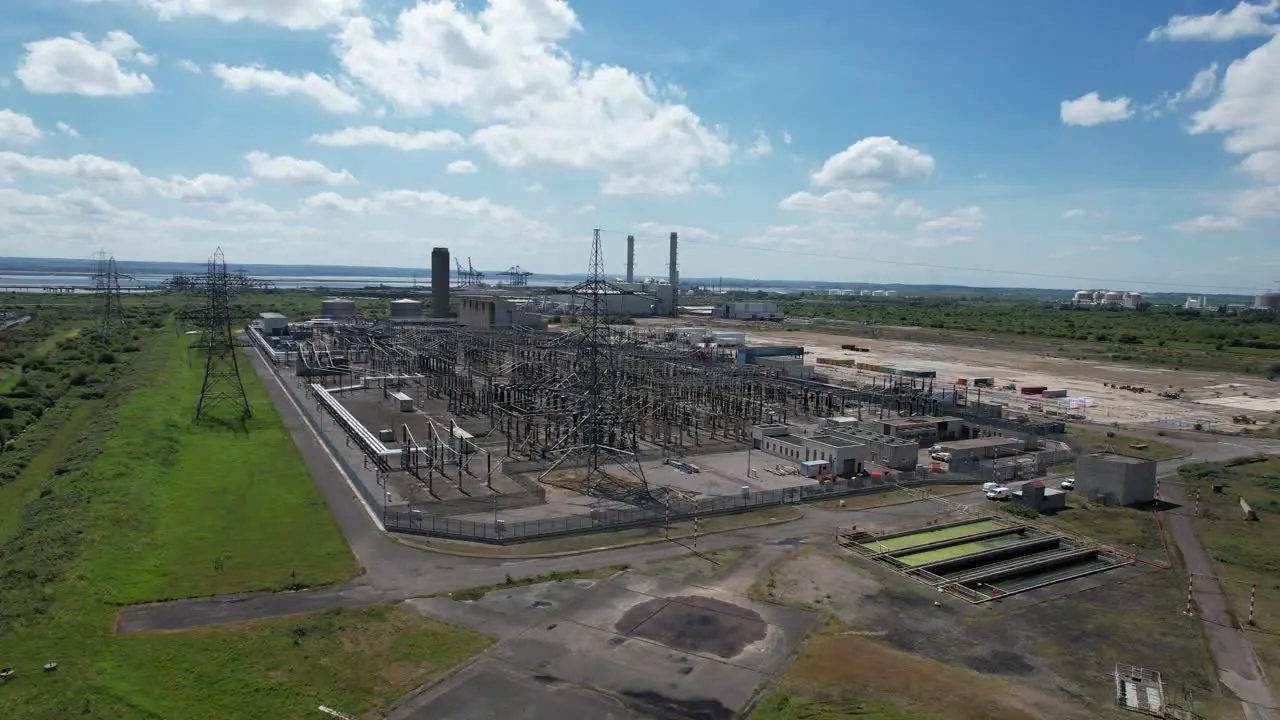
491, 689
631, 667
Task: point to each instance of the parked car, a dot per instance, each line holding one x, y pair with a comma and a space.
941, 456
999, 492
1068, 484
988, 487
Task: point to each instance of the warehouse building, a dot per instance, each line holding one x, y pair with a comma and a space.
747, 311
1111, 479
980, 448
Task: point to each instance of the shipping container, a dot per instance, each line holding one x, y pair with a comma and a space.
1059, 393
1033, 389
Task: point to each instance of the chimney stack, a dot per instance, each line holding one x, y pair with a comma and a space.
675, 279
631, 258
440, 282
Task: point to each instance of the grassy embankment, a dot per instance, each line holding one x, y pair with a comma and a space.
129, 503
1245, 552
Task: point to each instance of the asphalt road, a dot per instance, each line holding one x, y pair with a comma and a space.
393, 571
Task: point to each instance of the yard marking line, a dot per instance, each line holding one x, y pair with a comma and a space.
325, 448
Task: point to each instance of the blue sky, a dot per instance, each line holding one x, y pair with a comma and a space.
991, 143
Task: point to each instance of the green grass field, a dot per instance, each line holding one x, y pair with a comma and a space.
129, 503
1246, 553
1095, 440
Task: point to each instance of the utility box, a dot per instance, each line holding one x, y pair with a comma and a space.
406, 402
1111, 479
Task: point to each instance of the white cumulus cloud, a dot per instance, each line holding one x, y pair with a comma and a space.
683, 232
373, 135
17, 128
1247, 109
291, 14
292, 170
761, 145
836, 201
1074, 213
460, 167
874, 161
505, 69
965, 218
1263, 165
1244, 20
75, 65
1208, 223
324, 91
1090, 109
67, 130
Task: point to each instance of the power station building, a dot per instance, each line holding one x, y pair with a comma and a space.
496, 311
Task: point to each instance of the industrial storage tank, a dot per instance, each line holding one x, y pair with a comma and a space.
406, 309
338, 308
1083, 296
1268, 301
1113, 298
1098, 295
1132, 299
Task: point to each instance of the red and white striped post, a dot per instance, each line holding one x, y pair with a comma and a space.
1253, 600
1191, 579
1197, 503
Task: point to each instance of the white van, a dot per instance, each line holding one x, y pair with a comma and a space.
999, 492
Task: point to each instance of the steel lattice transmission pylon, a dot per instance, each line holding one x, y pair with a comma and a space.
222, 386
601, 418
106, 286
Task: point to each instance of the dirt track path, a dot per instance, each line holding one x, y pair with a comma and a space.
1238, 668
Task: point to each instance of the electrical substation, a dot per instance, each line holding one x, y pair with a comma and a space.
506, 432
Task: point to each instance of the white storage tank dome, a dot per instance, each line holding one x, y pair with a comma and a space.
406, 308
338, 308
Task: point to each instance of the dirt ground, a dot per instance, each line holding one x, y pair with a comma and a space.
1027, 659
1208, 398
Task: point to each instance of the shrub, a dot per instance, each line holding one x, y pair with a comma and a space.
1022, 511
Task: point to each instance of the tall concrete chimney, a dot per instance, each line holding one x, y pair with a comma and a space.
675, 280
631, 258
440, 282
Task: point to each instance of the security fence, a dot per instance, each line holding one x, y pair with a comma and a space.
499, 531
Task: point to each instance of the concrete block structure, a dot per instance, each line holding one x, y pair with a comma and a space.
923, 430
792, 367
843, 454
1112, 479
1040, 498
273, 323
495, 311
